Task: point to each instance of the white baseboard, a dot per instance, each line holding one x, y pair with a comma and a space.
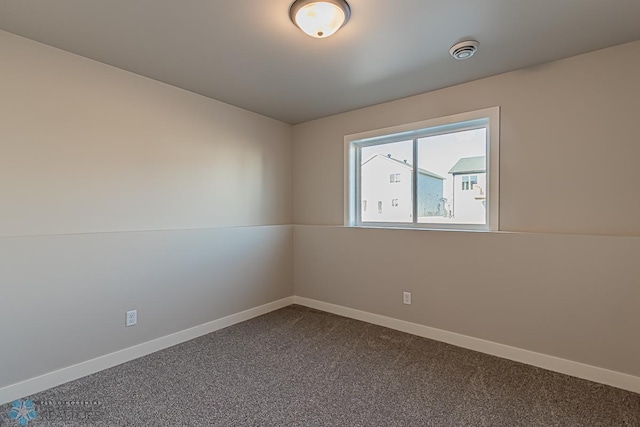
70, 373
551, 363
568, 367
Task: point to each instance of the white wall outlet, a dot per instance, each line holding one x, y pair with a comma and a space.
406, 298
132, 317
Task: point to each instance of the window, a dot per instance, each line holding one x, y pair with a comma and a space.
468, 182
451, 167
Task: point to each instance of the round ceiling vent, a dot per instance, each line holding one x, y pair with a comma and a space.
464, 50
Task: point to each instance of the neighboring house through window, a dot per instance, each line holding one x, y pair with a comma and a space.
470, 174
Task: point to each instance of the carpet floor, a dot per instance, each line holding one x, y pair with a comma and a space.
302, 367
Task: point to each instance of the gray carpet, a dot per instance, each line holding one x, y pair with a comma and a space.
301, 367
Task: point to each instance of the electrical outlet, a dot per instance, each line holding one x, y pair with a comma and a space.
406, 298
132, 317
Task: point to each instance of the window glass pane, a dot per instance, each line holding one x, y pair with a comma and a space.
386, 176
449, 167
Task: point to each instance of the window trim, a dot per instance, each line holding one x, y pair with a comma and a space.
410, 131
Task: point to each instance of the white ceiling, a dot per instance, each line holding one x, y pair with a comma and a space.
247, 52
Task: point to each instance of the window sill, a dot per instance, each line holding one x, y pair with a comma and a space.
482, 229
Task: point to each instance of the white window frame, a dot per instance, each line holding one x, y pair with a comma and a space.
488, 118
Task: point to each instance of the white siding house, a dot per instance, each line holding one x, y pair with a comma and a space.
469, 190
386, 191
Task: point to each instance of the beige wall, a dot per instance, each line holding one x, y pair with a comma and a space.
64, 297
119, 192
87, 147
569, 154
568, 143
570, 296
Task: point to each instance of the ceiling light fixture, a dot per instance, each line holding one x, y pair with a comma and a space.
319, 18
464, 50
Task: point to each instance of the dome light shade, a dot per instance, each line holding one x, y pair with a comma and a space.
319, 18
